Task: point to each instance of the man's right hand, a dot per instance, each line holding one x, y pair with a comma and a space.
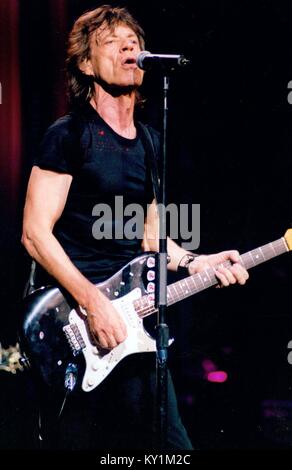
105, 323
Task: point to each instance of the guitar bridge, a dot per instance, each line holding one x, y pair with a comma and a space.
74, 338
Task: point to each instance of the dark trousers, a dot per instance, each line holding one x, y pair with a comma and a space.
118, 414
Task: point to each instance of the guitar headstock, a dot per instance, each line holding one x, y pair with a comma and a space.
288, 238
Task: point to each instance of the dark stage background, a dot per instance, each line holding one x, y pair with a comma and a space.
230, 151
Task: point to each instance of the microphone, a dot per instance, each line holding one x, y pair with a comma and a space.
145, 60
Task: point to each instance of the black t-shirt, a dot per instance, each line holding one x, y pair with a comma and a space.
109, 173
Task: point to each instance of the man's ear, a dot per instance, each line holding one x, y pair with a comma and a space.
86, 67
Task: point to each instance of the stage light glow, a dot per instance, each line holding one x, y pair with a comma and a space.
217, 376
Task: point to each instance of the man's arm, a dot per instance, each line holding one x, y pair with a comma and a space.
151, 238
46, 197
178, 255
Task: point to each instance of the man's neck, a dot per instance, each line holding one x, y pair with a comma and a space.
116, 111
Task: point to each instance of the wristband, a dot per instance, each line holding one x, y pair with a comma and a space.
185, 261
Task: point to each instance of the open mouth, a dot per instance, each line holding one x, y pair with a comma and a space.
129, 61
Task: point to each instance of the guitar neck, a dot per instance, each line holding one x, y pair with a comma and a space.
200, 281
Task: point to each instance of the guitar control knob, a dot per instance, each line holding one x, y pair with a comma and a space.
90, 382
95, 351
95, 366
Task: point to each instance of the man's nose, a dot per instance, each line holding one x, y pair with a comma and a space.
127, 45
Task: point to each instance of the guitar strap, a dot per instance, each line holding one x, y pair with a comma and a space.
30, 285
151, 157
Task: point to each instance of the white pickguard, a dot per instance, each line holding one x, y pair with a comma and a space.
99, 365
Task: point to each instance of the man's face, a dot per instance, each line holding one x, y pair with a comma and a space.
113, 56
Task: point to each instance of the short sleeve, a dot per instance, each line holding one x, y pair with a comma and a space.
60, 148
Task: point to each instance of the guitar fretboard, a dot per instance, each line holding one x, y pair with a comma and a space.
197, 282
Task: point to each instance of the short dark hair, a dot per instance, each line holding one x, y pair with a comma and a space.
80, 86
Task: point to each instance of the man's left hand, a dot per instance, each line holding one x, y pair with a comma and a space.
225, 275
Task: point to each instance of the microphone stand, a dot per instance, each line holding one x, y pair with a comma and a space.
166, 62
162, 330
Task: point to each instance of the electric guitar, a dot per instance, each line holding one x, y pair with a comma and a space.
55, 337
